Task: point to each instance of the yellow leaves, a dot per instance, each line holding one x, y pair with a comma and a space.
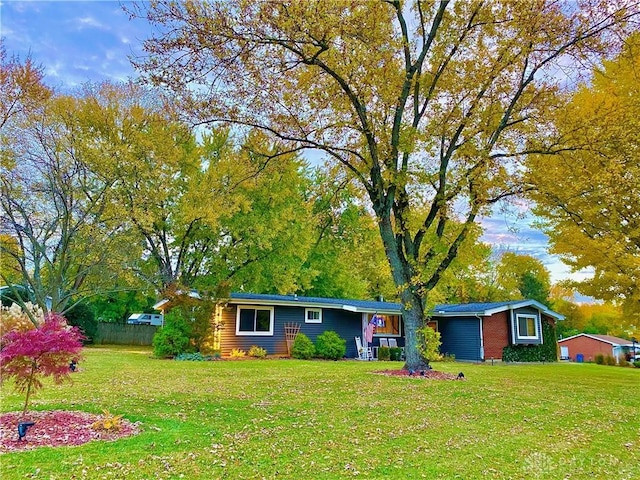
10, 253
108, 422
588, 194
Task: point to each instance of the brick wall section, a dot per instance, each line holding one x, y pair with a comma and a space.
495, 332
589, 347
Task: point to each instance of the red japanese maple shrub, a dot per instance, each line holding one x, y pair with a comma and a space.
46, 351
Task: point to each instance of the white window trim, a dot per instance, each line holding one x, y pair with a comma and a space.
306, 315
536, 322
254, 334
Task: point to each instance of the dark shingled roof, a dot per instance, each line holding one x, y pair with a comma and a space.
473, 307
358, 305
489, 308
372, 306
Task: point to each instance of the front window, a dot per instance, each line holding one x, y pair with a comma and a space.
254, 321
386, 325
313, 315
527, 326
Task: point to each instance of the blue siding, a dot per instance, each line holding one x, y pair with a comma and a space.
461, 337
229, 340
344, 323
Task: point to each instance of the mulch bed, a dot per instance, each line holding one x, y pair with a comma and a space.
424, 374
56, 428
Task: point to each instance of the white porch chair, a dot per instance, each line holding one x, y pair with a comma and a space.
384, 342
364, 353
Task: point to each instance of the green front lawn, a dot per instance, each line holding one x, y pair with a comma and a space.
316, 419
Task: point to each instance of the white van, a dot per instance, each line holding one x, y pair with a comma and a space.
146, 319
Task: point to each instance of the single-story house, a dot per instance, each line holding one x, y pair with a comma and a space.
472, 332
585, 347
254, 319
480, 331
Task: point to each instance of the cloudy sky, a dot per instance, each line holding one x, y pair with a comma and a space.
80, 41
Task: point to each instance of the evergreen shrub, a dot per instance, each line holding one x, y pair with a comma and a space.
331, 346
395, 354
302, 348
169, 341
384, 354
82, 316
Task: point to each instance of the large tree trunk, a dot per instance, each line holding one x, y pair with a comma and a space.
413, 318
411, 295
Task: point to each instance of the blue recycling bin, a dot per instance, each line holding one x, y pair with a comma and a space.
580, 358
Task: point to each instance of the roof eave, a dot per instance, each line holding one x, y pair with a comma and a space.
302, 303
458, 314
526, 303
502, 308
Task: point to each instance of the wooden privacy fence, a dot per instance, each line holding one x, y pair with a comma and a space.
124, 334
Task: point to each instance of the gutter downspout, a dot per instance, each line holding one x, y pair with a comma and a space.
481, 338
513, 332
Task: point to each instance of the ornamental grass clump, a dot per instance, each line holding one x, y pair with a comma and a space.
27, 356
13, 318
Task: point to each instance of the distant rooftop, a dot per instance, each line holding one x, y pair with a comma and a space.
603, 338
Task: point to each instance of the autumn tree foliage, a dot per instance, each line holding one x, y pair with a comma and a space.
29, 355
604, 318
523, 276
588, 196
107, 189
10, 271
430, 106
265, 227
346, 259
57, 202
22, 89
